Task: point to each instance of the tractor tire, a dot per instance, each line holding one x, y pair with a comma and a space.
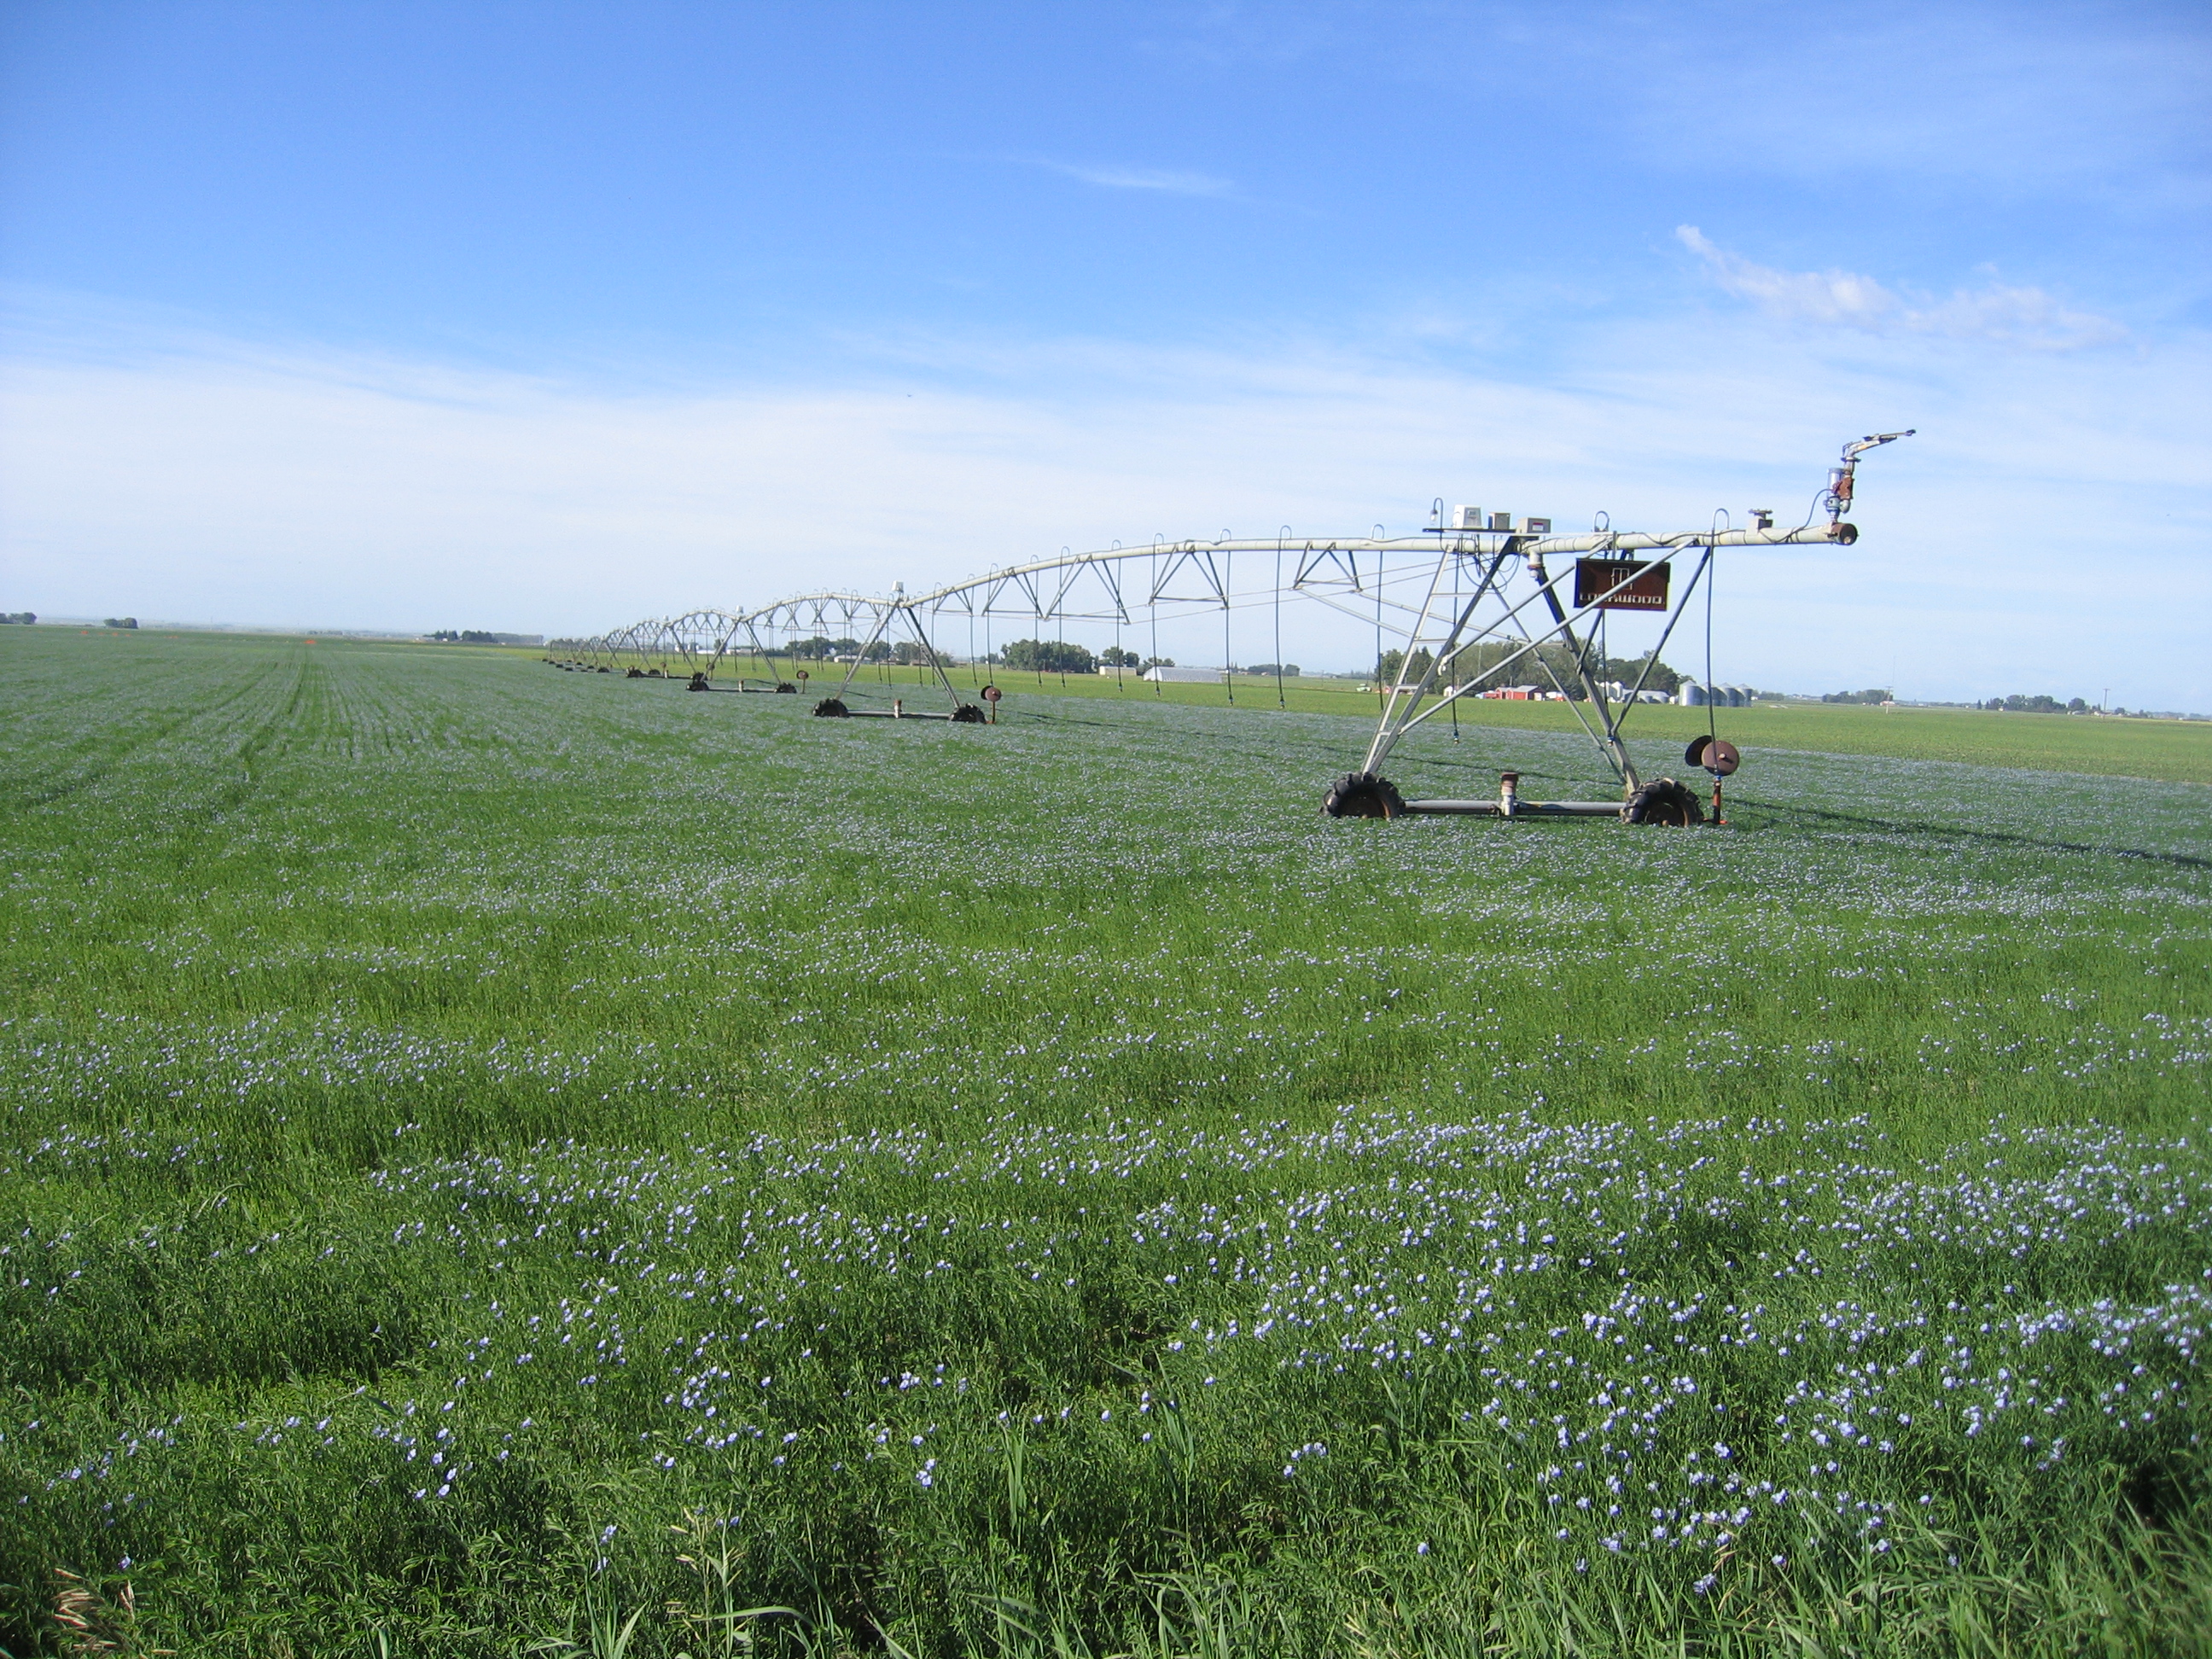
830, 709
1664, 801
786, 688
1362, 795
967, 714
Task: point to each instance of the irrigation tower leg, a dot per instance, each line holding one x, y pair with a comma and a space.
1399, 711
1615, 750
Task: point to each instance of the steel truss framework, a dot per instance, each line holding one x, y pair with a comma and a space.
1438, 595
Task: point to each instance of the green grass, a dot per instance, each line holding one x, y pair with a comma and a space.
2179, 751
492, 1156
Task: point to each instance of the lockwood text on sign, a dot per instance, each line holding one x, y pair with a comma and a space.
1646, 589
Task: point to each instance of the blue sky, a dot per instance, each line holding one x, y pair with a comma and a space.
546, 317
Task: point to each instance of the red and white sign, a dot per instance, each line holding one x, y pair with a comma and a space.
1646, 589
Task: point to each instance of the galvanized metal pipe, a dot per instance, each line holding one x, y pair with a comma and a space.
1471, 543
1522, 808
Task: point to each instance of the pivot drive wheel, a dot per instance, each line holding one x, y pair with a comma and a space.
830, 708
1664, 801
1362, 795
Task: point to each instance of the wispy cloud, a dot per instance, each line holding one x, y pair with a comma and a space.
1168, 181
1844, 299
171, 472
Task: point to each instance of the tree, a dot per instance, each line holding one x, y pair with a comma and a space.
1160, 662
1495, 664
819, 649
24, 616
1268, 671
1114, 657
1626, 671
877, 651
1049, 657
1389, 665
120, 622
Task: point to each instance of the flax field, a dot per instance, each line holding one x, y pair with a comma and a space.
496, 1161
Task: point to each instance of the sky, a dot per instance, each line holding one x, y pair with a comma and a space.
547, 317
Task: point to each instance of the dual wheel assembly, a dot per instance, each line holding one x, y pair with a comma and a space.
1664, 801
966, 713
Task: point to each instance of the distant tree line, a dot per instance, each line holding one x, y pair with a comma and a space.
1269, 671
25, 616
2015, 704
1483, 667
120, 621
477, 636
821, 648
1048, 657
1036, 656
2037, 704
1626, 671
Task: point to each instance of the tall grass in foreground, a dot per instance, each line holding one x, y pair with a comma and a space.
495, 1159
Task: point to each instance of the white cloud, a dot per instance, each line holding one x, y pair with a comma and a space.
1166, 181
2016, 545
1842, 299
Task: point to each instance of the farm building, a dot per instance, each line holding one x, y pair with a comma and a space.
1692, 695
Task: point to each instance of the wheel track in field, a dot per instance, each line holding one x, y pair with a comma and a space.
1826, 818
96, 771
309, 683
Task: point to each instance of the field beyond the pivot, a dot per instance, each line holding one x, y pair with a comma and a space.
2178, 751
494, 1160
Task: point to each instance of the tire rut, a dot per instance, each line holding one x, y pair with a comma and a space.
228, 795
94, 773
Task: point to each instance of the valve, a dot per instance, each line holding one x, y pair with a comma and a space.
1838, 498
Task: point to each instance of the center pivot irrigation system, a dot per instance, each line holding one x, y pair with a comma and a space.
1468, 601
